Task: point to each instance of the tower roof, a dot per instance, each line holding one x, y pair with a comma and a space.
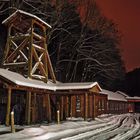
24, 16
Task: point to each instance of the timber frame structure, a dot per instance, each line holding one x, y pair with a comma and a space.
42, 100
26, 49
26, 53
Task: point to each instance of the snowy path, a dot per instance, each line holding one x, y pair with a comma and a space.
117, 127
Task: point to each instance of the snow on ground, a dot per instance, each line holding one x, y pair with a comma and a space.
105, 127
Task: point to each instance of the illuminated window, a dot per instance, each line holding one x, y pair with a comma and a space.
78, 104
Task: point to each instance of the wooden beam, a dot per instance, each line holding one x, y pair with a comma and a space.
43, 70
67, 106
37, 76
41, 66
71, 106
93, 106
45, 61
34, 108
30, 51
38, 23
50, 68
35, 68
62, 108
19, 36
49, 108
7, 43
17, 64
37, 36
38, 48
20, 47
86, 106
25, 57
28, 108
8, 107
38, 59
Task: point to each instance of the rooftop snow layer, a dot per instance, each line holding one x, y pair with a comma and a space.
133, 98
114, 95
20, 80
26, 14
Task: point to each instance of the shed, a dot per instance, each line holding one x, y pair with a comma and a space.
117, 102
72, 99
134, 104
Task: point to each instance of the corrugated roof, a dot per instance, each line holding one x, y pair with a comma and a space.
26, 14
20, 80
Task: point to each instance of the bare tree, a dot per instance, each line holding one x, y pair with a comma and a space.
83, 46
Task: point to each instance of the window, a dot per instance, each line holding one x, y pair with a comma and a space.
103, 104
78, 104
99, 105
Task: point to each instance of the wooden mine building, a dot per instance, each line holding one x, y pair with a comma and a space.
28, 85
27, 80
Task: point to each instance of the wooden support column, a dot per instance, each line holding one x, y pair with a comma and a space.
8, 107
71, 107
49, 108
28, 108
67, 106
62, 108
34, 108
94, 107
30, 52
45, 60
86, 106
28, 97
7, 43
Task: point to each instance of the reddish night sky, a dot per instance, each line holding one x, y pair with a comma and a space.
126, 13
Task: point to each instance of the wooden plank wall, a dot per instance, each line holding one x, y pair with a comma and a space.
100, 106
117, 107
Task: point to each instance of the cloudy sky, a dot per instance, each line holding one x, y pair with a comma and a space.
126, 13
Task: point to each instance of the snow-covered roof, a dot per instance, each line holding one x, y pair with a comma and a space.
85, 85
20, 80
114, 95
26, 14
120, 92
133, 98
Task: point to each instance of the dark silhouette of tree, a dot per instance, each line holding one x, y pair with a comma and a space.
133, 82
83, 45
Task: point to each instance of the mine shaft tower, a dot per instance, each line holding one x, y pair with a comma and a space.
26, 49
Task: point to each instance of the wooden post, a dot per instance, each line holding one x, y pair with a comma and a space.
8, 107
7, 43
94, 106
49, 108
58, 117
28, 108
71, 107
86, 106
67, 106
30, 52
34, 108
12, 122
45, 60
62, 108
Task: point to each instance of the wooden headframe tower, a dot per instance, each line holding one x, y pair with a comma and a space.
26, 49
